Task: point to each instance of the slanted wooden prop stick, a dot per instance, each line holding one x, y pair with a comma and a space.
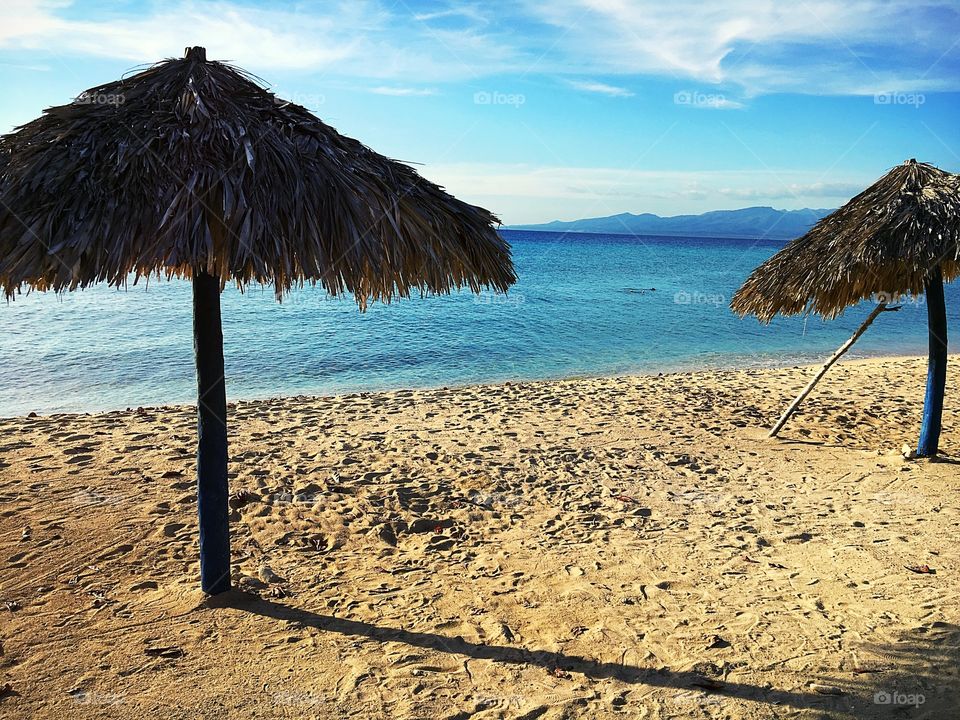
882, 307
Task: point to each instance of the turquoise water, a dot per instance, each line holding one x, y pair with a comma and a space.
582, 307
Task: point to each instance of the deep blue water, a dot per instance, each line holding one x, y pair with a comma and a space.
578, 309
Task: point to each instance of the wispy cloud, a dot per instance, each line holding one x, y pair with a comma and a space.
22, 66
521, 193
749, 48
355, 38
402, 91
823, 46
455, 11
274, 39
600, 88
832, 190
726, 104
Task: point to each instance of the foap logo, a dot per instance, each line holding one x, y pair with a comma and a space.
900, 98
695, 98
85, 697
903, 499
307, 100
297, 699
690, 700
495, 499
89, 498
306, 498
899, 698
893, 297
503, 702
88, 98
310, 297
693, 497
684, 297
495, 97
488, 297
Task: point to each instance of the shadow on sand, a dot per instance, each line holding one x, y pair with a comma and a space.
914, 666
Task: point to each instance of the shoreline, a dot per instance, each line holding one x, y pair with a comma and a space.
849, 359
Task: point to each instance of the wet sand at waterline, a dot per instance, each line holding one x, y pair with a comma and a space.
616, 547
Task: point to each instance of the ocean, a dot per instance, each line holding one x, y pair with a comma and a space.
585, 304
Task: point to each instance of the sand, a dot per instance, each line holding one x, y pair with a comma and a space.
620, 547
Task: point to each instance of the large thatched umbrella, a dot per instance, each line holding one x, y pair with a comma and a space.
900, 236
191, 169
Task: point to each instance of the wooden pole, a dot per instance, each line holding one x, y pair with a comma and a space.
828, 364
212, 491
936, 366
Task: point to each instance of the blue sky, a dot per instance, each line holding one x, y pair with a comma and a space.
560, 109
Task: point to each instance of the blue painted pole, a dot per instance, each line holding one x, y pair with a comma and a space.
936, 366
212, 492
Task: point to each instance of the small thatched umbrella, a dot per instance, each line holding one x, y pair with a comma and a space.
900, 236
191, 169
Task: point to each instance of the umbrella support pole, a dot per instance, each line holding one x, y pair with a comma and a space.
882, 307
212, 491
936, 366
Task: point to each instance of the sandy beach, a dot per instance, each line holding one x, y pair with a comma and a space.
617, 547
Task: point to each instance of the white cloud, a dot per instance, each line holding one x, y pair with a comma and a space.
465, 13
22, 66
402, 91
526, 194
601, 88
790, 190
355, 38
726, 104
810, 46
744, 46
246, 35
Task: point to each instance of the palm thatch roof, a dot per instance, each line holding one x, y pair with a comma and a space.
191, 165
884, 241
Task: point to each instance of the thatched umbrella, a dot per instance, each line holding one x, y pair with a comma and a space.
191, 169
900, 236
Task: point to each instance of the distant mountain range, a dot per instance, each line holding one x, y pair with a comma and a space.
760, 222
